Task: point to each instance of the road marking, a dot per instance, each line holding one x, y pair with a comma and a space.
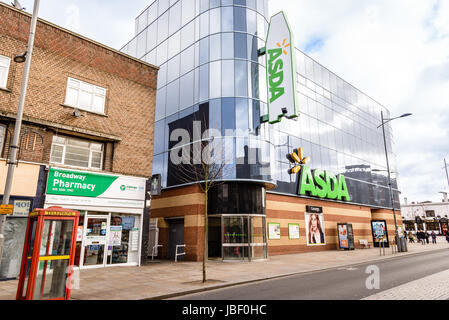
348, 269
433, 287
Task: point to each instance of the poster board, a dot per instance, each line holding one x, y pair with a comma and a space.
274, 231
315, 229
115, 236
379, 231
343, 240
293, 231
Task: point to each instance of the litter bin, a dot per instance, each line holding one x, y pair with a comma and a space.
404, 244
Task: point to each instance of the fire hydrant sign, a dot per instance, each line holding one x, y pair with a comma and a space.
281, 74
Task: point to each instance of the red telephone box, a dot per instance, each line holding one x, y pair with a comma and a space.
48, 254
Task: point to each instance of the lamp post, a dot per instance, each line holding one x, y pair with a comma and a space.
384, 122
26, 57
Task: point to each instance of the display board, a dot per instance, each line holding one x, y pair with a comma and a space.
315, 230
293, 231
274, 231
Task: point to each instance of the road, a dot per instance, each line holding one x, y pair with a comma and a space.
347, 283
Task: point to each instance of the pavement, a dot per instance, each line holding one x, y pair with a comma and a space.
433, 287
164, 279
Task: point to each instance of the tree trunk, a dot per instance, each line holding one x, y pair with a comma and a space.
205, 250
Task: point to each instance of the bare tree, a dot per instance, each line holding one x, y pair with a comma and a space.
202, 163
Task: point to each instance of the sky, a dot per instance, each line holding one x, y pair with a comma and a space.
396, 51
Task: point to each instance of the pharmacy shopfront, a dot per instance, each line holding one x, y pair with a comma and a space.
111, 207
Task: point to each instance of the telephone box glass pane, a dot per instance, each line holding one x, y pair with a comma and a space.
54, 259
29, 255
51, 279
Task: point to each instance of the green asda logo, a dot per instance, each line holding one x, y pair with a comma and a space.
276, 71
317, 183
323, 184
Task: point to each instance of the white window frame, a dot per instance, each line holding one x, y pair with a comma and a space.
64, 146
93, 94
2, 139
4, 82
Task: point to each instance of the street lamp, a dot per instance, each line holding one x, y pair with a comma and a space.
385, 121
15, 141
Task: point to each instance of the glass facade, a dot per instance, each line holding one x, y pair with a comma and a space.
207, 51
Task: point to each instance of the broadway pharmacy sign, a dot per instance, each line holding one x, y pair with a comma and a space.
74, 184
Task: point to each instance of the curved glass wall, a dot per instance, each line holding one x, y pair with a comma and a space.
207, 51
237, 222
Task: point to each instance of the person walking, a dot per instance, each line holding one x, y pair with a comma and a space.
447, 236
410, 237
434, 237
421, 237
427, 236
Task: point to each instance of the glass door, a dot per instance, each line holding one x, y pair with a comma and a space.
235, 237
244, 237
258, 234
95, 240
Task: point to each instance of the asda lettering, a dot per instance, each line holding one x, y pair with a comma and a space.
275, 74
323, 184
73, 185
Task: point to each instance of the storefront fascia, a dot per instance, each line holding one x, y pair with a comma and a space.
104, 199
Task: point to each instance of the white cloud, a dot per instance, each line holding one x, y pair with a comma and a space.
397, 52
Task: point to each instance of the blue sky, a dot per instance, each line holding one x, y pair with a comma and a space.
395, 51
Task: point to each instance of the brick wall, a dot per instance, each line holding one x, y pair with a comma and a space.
127, 126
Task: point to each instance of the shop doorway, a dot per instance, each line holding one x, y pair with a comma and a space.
175, 238
237, 237
95, 240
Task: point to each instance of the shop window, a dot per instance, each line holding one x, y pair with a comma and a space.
4, 70
85, 96
76, 152
430, 213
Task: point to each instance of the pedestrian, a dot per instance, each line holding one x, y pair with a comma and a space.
434, 237
447, 236
427, 236
410, 237
421, 237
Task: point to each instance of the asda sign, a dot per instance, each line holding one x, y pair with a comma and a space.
317, 183
322, 184
93, 185
280, 62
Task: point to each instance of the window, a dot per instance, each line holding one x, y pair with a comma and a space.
430, 213
85, 96
4, 70
2, 138
76, 152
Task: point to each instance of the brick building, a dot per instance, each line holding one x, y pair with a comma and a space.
89, 111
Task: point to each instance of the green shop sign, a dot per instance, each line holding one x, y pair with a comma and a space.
318, 183
281, 74
81, 184
323, 184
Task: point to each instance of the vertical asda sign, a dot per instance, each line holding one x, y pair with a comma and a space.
87, 184
281, 74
